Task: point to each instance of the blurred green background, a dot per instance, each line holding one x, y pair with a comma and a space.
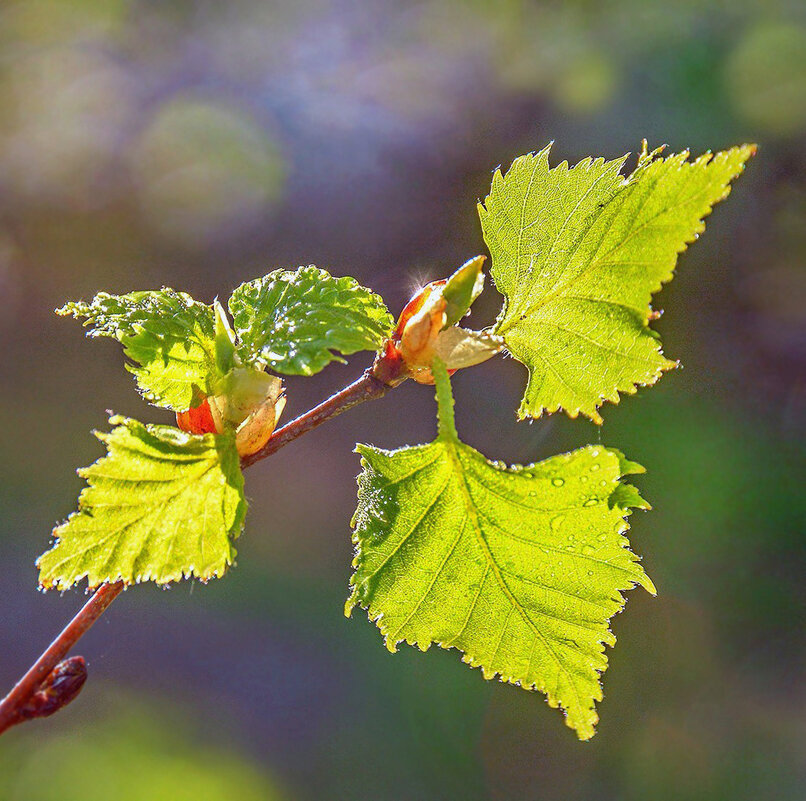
200, 144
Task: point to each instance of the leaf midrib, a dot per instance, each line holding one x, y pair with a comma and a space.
452, 445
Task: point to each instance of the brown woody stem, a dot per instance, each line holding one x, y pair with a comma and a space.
368, 387
16, 706
12, 707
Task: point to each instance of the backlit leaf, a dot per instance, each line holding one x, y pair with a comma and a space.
162, 505
578, 252
296, 322
169, 337
520, 568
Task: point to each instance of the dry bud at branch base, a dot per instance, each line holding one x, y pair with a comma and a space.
59, 688
427, 328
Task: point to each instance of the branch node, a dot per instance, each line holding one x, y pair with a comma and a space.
59, 688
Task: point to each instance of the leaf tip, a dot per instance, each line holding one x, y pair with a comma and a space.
626, 466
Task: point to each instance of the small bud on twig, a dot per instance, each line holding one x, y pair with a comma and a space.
247, 401
59, 688
427, 328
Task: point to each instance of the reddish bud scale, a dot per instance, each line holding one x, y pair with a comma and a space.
198, 420
389, 367
252, 422
407, 352
413, 306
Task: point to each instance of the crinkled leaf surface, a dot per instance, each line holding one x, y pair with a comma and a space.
578, 252
297, 321
520, 568
169, 337
162, 505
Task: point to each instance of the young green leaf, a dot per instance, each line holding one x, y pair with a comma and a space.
520, 568
169, 337
462, 288
162, 505
295, 322
578, 252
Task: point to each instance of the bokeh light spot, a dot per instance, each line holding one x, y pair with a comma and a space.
766, 78
204, 170
586, 84
137, 753
66, 109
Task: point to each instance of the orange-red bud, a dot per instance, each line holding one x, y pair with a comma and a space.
198, 420
426, 329
418, 334
249, 404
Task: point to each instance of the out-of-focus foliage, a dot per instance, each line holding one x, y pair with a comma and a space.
135, 752
766, 78
201, 168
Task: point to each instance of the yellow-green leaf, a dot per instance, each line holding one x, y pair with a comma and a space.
162, 505
520, 568
578, 252
168, 336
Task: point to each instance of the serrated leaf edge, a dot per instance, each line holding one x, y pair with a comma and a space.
645, 160
626, 466
84, 508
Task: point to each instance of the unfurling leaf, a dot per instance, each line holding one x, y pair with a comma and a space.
520, 568
578, 252
427, 325
169, 337
226, 348
247, 402
460, 347
296, 322
462, 288
162, 505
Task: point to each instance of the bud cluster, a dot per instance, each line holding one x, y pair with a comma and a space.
245, 401
427, 328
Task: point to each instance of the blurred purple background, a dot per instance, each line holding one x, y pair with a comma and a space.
201, 144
